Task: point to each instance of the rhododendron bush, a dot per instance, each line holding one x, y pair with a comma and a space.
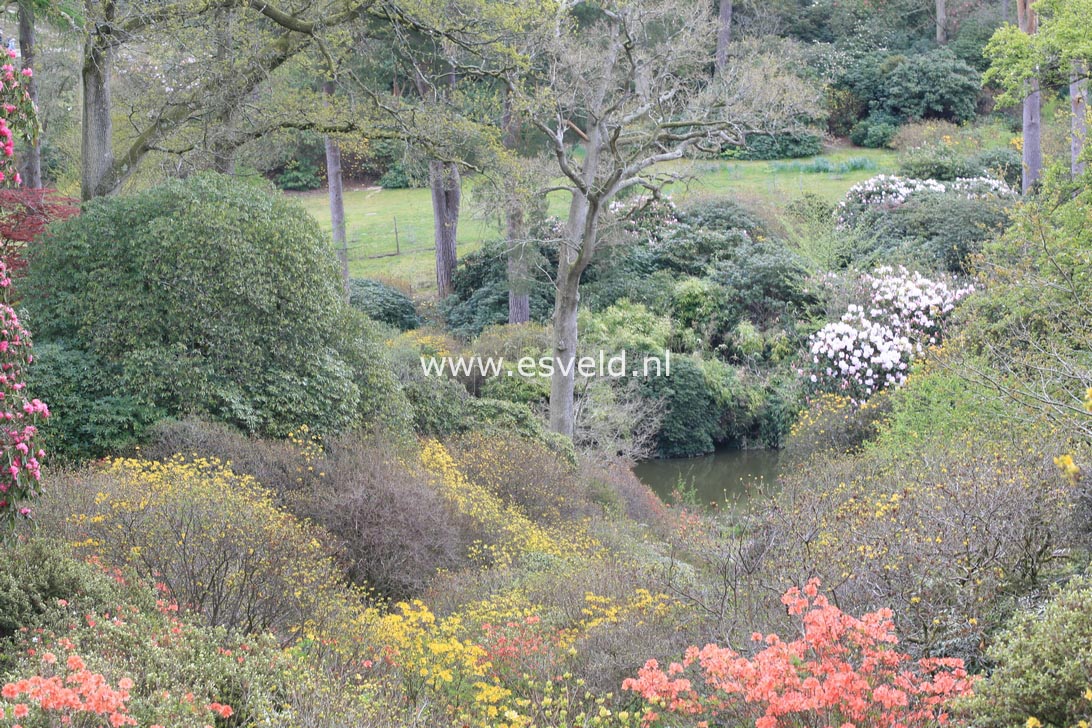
20, 458
18, 118
888, 191
842, 671
872, 346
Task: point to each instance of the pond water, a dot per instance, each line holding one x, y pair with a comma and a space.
727, 477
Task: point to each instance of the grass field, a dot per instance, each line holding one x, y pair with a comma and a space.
372, 215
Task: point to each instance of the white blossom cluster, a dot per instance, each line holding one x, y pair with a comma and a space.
888, 191
872, 346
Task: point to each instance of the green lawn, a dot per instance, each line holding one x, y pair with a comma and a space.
373, 214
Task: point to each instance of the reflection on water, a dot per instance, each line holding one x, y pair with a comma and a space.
728, 477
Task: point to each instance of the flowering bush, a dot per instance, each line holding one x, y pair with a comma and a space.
888, 192
871, 347
20, 459
215, 539
19, 118
841, 671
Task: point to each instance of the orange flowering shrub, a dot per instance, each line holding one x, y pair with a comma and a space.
66, 690
842, 671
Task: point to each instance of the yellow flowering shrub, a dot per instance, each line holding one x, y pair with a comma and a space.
512, 533
217, 542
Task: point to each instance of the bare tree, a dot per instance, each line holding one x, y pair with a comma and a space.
629, 88
337, 198
724, 32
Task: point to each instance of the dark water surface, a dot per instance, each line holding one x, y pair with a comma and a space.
725, 478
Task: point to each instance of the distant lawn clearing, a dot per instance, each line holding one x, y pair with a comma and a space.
373, 214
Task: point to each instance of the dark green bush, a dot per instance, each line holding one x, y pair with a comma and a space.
777, 146
875, 132
691, 424
300, 177
942, 230
207, 296
480, 297
938, 162
768, 282
1004, 163
90, 416
933, 85
383, 303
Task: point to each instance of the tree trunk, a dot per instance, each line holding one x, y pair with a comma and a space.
942, 22
97, 135
337, 199
1006, 10
32, 162
1078, 104
446, 187
724, 33
519, 300
1032, 128
1033, 137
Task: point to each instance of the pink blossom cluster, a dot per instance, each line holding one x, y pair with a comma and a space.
20, 458
872, 346
840, 671
18, 118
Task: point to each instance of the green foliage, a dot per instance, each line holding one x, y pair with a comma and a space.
383, 303
767, 281
691, 423
706, 308
1042, 665
205, 296
777, 146
480, 297
891, 89
90, 417
34, 575
940, 162
822, 165
626, 326
299, 177
875, 132
1003, 163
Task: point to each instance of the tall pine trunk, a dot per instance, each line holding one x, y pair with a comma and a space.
32, 161
97, 174
724, 33
337, 199
446, 184
519, 299
1078, 106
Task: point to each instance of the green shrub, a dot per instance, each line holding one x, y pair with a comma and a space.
480, 297
941, 229
1042, 666
939, 162
90, 416
691, 423
206, 296
767, 281
875, 132
1003, 163
383, 303
706, 308
777, 146
300, 177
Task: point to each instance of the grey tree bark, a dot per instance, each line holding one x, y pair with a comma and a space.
337, 200
446, 184
576, 254
1033, 108
97, 177
519, 299
942, 22
32, 161
724, 33
1078, 106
